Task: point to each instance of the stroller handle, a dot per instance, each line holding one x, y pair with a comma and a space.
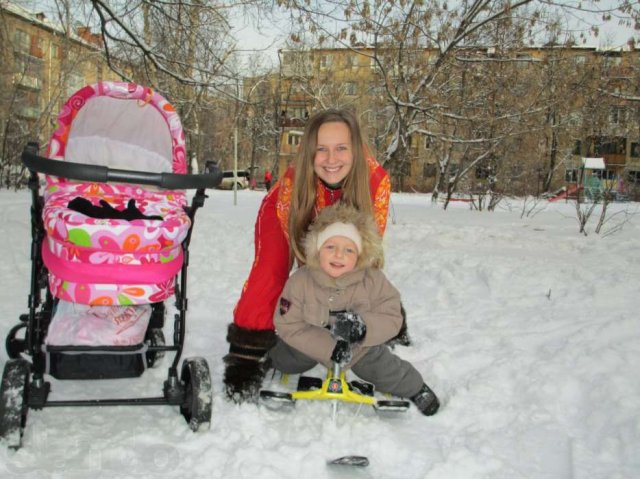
102, 174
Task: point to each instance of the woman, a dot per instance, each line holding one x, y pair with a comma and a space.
332, 164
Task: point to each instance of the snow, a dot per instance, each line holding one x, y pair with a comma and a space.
527, 330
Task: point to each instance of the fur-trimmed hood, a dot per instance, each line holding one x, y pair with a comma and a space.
372, 254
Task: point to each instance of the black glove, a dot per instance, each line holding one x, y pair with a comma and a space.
341, 352
348, 326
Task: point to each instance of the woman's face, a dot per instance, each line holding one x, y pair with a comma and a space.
334, 153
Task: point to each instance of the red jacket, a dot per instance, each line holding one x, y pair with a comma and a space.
270, 269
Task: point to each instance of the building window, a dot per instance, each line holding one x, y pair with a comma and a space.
617, 115
428, 142
28, 71
611, 61
604, 174
523, 60
22, 41
297, 112
485, 171
325, 62
633, 177
577, 147
351, 61
580, 59
287, 58
351, 88
635, 149
75, 83
571, 175
429, 170
605, 145
37, 47
293, 140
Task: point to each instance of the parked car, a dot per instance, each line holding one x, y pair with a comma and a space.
241, 180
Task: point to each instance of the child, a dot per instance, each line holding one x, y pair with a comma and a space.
341, 307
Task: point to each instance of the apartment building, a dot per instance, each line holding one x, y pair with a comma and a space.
586, 99
42, 64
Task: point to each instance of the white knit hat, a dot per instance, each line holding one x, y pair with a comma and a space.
340, 229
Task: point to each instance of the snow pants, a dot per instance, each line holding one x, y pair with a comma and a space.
379, 366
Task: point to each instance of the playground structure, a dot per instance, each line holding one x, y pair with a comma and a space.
595, 181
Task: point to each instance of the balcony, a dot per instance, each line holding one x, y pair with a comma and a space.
30, 113
27, 81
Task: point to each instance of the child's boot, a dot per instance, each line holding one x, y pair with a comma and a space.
426, 400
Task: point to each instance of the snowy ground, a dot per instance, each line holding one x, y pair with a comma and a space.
528, 331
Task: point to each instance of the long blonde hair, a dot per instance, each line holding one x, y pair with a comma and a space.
356, 190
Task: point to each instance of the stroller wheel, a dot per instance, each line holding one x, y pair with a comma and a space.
196, 406
15, 346
155, 338
13, 402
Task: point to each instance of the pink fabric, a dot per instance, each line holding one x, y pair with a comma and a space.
82, 255
110, 293
74, 236
115, 273
84, 325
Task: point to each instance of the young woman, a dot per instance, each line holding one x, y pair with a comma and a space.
332, 165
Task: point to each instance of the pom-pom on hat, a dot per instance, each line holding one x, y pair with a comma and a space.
340, 229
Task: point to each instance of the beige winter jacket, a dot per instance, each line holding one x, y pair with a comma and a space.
303, 310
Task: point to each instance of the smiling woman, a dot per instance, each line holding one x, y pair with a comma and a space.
333, 165
334, 154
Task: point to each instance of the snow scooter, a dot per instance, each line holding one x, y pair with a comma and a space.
335, 388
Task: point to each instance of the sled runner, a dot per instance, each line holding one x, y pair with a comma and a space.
110, 241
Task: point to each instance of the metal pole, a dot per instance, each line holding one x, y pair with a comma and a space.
235, 164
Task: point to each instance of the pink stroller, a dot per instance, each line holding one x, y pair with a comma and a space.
110, 240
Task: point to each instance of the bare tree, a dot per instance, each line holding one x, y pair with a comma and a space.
423, 93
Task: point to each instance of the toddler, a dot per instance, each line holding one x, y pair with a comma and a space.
340, 307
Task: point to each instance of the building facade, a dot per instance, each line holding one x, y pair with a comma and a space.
569, 102
42, 65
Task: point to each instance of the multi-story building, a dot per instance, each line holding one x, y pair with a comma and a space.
42, 64
586, 98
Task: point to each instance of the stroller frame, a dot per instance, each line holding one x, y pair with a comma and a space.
19, 372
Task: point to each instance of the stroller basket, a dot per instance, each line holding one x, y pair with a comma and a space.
95, 363
97, 342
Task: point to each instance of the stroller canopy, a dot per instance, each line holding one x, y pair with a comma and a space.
101, 125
